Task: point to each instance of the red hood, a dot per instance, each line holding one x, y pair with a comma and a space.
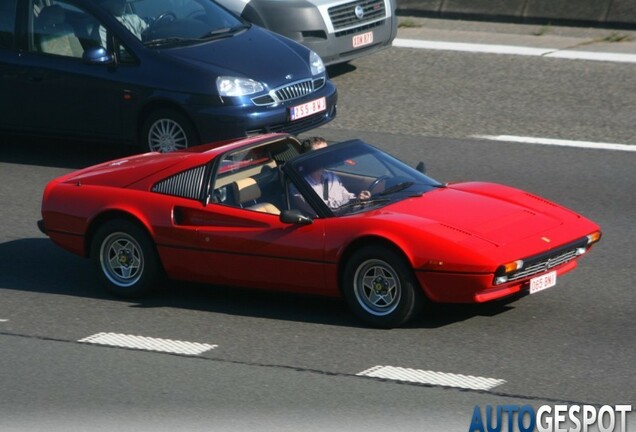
477, 213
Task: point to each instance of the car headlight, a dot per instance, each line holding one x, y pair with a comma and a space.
235, 86
317, 66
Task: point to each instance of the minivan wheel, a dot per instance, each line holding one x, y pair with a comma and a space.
166, 130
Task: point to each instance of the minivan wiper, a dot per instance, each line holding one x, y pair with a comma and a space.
168, 41
223, 32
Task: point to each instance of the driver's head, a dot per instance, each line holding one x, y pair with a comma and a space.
313, 143
115, 7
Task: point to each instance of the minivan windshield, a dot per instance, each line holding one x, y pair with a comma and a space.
170, 22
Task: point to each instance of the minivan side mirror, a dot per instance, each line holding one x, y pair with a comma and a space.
97, 55
421, 167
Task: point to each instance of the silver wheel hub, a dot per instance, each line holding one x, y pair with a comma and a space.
166, 135
121, 259
377, 287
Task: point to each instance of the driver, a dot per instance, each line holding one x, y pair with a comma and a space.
131, 21
327, 184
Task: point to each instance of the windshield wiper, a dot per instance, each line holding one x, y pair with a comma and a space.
223, 32
168, 41
396, 188
358, 202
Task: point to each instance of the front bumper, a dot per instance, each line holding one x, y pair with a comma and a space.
336, 49
222, 122
474, 288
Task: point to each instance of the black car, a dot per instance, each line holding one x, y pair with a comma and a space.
163, 74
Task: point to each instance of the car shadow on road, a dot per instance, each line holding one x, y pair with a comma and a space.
340, 69
59, 153
36, 265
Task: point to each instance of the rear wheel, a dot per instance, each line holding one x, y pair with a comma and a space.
380, 287
126, 260
167, 130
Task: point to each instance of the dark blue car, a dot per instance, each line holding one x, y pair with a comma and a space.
162, 74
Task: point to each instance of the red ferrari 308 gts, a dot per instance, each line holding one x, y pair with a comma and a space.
345, 220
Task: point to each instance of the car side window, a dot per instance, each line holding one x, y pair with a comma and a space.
61, 28
249, 179
7, 23
252, 178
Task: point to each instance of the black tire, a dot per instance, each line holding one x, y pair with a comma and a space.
126, 260
380, 287
167, 130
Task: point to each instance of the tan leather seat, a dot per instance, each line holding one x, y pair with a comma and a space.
248, 193
55, 36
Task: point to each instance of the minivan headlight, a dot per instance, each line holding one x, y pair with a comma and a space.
236, 86
317, 66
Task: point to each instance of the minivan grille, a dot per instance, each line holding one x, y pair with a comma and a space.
289, 92
344, 16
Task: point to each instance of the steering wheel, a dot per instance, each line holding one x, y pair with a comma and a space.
376, 182
162, 17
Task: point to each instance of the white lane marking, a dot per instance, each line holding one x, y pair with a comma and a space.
559, 142
4, 320
470, 47
515, 50
148, 343
433, 378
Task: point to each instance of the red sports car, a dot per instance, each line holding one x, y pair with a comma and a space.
346, 220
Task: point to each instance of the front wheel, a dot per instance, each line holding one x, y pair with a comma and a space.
126, 260
166, 130
380, 287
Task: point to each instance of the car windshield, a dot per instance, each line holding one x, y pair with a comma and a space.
353, 176
174, 22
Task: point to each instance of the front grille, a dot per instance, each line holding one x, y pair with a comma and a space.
289, 92
549, 260
344, 16
294, 91
351, 31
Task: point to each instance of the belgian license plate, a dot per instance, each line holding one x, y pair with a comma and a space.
542, 282
362, 39
307, 109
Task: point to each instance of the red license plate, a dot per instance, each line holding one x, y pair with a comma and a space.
307, 109
363, 39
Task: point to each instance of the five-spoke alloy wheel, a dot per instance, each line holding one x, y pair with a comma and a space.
126, 259
380, 287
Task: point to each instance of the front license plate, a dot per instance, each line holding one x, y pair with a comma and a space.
363, 39
307, 109
542, 282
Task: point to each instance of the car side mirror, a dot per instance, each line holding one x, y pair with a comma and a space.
295, 217
97, 55
421, 167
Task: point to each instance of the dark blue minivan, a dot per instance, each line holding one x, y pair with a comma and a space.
162, 74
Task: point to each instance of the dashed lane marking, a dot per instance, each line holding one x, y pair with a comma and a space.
515, 50
431, 377
148, 343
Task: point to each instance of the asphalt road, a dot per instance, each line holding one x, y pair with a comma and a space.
289, 363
